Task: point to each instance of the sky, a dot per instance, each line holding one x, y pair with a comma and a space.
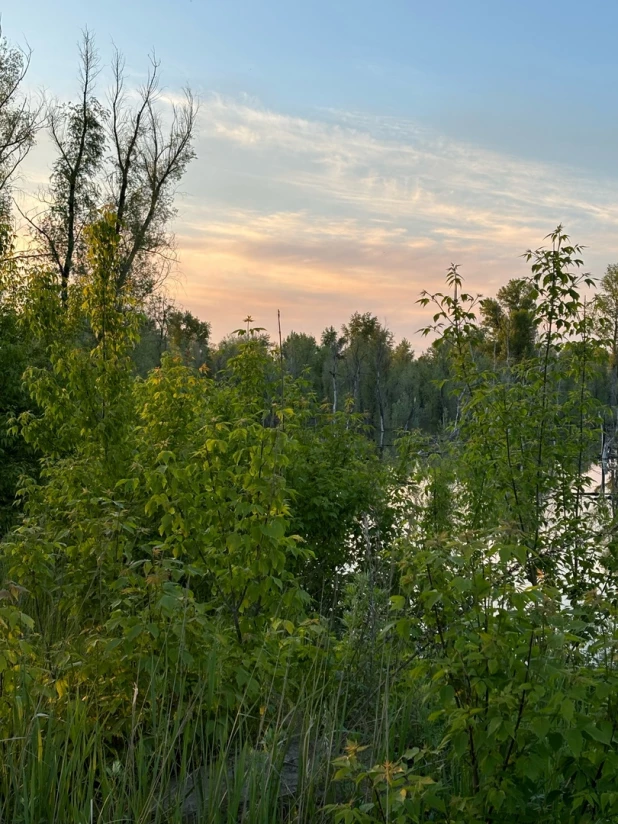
349, 151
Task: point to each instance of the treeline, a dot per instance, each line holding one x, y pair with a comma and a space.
359, 368
362, 369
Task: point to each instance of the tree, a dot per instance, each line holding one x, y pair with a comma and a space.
509, 321
605, 309
367, 358
17, 351
334, 346
20, 118
129, 158
78, 135
524, 424
149, 161
188, 336
402, 390
301, 355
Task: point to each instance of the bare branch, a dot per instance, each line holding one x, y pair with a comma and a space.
20, 117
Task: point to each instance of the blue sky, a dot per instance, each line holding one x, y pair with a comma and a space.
348, 151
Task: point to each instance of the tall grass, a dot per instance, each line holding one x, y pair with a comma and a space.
179, 760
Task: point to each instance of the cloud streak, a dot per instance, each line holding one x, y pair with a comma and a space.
326, 214
322, 216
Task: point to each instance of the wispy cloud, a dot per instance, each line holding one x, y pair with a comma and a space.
395, 168
339, 211
344, 211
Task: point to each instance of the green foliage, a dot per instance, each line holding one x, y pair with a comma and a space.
337, 478
231, 557
188, 336
510, 321
17, 351
503, 610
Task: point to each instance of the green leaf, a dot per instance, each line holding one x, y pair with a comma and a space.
447, 694
134, 632
567, 709
541, 726
432, 597
434, 802
601, 732
555, 740
574, 741
462, 584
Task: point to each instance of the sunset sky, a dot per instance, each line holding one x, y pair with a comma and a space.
349, 151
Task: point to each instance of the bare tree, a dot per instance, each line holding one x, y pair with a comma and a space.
128, 158
148, 162
20, 117
70, 203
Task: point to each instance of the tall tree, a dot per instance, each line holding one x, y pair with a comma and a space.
188, 336
20, 118
367, 357
149, 159
402, 389
301, 355
509, 321
77, 132
334, 345
130, 157
606, 312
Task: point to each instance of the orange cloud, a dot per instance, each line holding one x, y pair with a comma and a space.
317, 273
